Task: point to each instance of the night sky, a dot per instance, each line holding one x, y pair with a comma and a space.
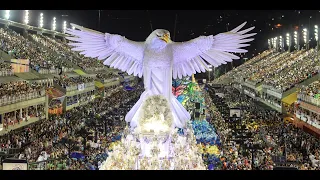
136, 24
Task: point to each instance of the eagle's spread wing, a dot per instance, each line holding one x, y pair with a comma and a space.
117, 51
189, 57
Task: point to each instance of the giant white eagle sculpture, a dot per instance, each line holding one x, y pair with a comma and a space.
158, 59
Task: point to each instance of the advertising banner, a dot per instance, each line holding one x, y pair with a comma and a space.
20, 65
15, 166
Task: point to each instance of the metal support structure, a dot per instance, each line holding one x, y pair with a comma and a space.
296, 36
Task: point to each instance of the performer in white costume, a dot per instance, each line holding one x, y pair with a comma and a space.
159, 59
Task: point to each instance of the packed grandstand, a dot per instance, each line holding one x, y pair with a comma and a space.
60, 110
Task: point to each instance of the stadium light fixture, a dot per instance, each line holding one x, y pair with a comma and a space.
316, 35
26, 16
275, 42
7, 14
54, 24
41, 20
316, 32
305, 32
296, 40
64, 26
288, 39
281, 42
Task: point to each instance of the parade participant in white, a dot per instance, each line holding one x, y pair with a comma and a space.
158, 59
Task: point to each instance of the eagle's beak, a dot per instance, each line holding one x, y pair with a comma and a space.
166, 38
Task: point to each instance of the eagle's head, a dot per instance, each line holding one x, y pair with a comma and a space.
159, 38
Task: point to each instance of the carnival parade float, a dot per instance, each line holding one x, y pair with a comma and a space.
161, 134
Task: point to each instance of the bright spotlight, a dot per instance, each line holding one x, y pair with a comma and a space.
54, 24
41, 20
26, 16
316, 33
64, 26
288, 39
7, 14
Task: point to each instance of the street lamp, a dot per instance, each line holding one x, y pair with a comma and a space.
26, 16
7, 14
41, 20
64, 26
288, 41
54, 24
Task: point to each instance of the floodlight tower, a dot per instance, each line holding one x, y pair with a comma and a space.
276, 43
6, 17
288, 41
41, 20
269, 43
281, 44
26, 17
26, 22
316, 35
306, 37
64, 26
296, 40
40, 23
54, 24
7, 14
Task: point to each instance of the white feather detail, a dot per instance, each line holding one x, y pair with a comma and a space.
115, 50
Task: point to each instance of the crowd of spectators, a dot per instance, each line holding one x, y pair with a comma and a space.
88, 64
15, 117
311, 93
270, 133
20, 47
243, 68
107, 76
65, 81
49, 45
87, 130
5, 69
312, 89
291, 71
12, 92
279, 71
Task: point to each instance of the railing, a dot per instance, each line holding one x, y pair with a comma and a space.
71, 88
20, 98
110, 79
54, 71
309, 99
251, 82
95, 69
272, 88
307, 119
41, 165
75, 87
6, 73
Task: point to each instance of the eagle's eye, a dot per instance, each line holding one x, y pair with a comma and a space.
158, 35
